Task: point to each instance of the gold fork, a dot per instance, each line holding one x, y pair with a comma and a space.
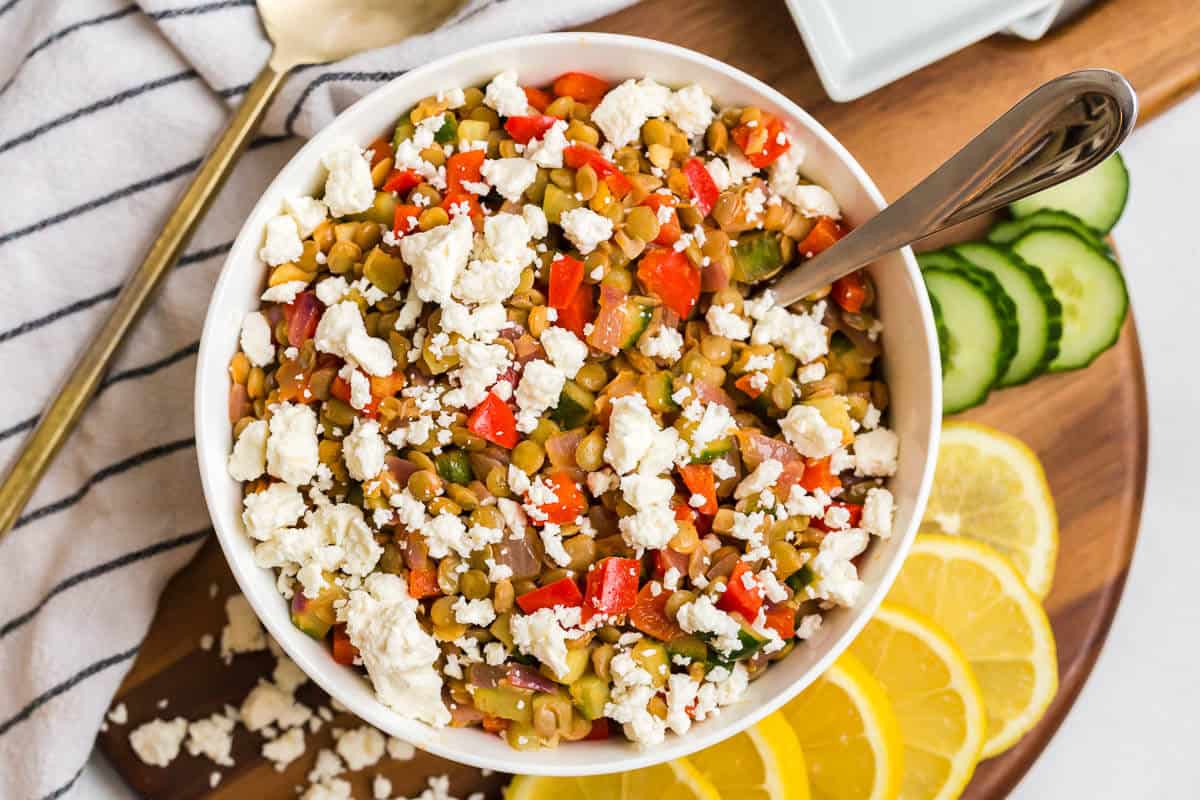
301, 32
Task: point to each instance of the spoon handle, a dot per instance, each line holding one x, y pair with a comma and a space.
72, 398
1061, 129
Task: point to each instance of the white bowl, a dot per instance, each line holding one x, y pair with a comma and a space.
910, 358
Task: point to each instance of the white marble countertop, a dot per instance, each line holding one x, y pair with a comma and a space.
1133, 730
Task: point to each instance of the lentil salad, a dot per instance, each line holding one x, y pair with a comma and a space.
514, 435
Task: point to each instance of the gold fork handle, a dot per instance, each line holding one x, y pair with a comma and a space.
64, 411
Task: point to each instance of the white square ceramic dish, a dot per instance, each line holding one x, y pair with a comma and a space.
910, 359
860, 45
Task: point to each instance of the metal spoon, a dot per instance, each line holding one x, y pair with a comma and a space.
1061, 129
301, 32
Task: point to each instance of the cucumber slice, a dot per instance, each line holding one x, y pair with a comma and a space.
1009, 231
1088, 284
1097, 196
943, 333
948, 259
1039, 314
976, 341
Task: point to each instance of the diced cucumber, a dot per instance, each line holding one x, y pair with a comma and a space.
652, 657
1010, 328
801, 578
835, 412
1097, 196
656, 388
1039, 314
750, 640
757, 257
507, 702
1088, 284
689, 647
454, 466
316, 615
638, 311
574, 407
1010, 230
448, 132
711, 451
975, 343
578, 660
590, 695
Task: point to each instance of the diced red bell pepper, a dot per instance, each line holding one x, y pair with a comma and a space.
824, 234
685, 513
406, 220
740, 598
380, 149
454, 202
699, 480
581, 86
344, 651
612, 585
340, 388
538, 98
302, 315
422, 583
562, 592
782, 620
494, 420
465, 165
401, 180
818, 476
523, 129
387, 385
855, 510
672, 277
649, 614
704, 189
579, 312
494, 724
569, 505
773, 146
579, 155
746, 384
850, 291
566, 276
599, 730
669, 231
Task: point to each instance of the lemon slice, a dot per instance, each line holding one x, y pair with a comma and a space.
991, 487
936, 698
674, 779
761, 763
849, 735
975, 594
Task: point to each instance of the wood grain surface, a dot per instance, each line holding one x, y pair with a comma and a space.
1089, 427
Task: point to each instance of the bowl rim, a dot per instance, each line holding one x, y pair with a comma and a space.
629, 756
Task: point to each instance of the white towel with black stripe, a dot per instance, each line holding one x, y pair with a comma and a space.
106, 108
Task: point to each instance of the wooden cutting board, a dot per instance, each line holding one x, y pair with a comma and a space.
1089, 427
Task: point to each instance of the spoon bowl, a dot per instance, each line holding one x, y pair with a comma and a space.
319, 31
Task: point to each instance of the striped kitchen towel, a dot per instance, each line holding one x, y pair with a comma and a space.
106, 109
